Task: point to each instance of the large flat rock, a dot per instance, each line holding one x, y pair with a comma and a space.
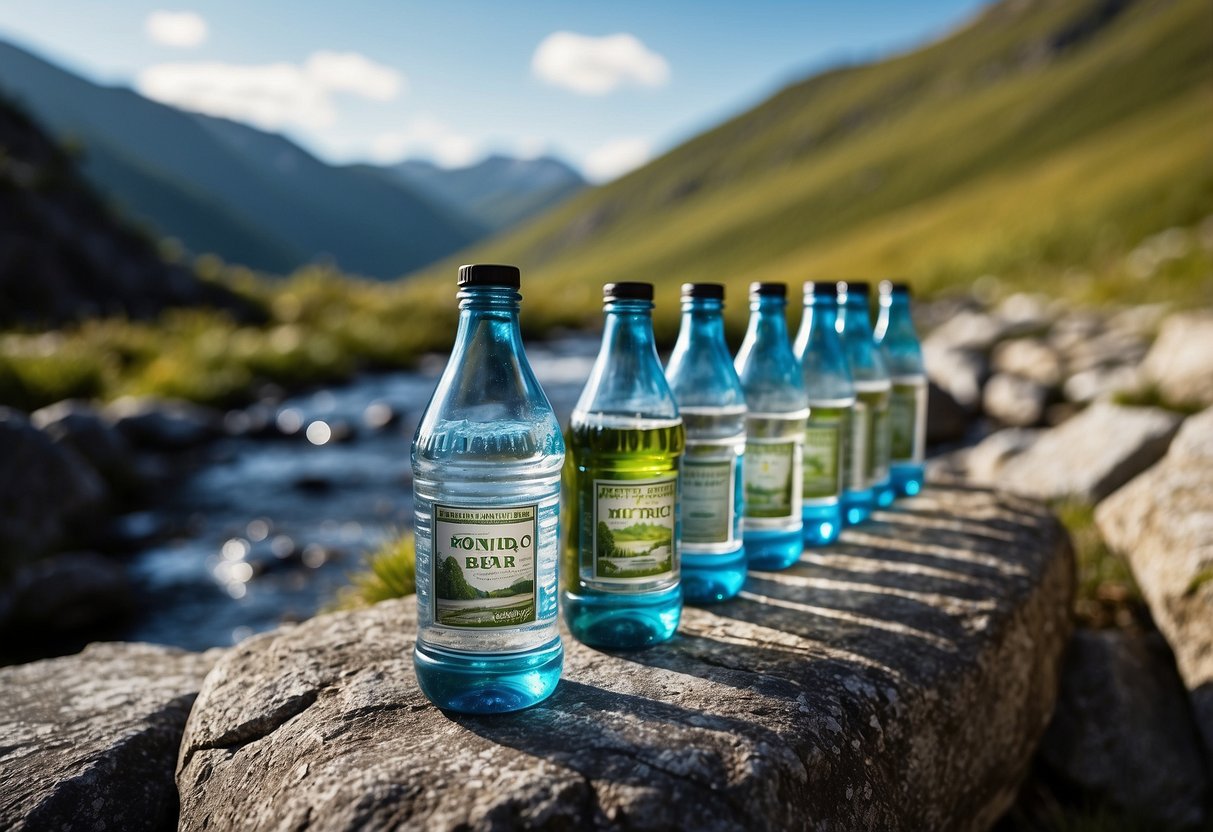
1092, 454
1162, 522
1180, 363
88, 741
898, 680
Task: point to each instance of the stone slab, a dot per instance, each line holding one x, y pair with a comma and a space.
1091, 455
898, 680
89, 741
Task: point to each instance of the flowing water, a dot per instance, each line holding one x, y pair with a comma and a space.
267, 530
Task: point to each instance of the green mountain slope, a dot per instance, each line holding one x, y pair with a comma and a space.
250, 196
64, 256
1043, 135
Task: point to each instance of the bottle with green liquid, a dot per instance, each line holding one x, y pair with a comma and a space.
908, 405
831, 395
621, 568
712, 404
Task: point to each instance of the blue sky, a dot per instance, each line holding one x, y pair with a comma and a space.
603, 85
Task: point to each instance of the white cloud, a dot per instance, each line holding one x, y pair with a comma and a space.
531, 147
180, 29
429, 137
594, 66
271, 95
355, 74
616, 158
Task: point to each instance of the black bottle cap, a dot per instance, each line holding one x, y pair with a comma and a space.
627, 291
768, 290
707, 291
489, 274
854, 287
820, 289
888, 287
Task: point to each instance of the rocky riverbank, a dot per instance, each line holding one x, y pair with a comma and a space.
1132, 730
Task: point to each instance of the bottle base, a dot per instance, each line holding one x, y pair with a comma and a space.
884, 493
857, 506
488, 683
770, 551
709, 579
907, 478
822, 524
623, 621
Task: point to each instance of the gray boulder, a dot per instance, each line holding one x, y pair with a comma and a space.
1180, 364
1102, 383
66, 593
47, 492
80, 426
1092, 454
163, 424
985, 460
1030, 358
1015, 401
899, 680
88, 741
1123, 732
958, 372
1162, 522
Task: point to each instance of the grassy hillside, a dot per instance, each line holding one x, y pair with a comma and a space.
1040, 144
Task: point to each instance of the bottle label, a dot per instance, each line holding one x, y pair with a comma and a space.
770, 478
709, 495
821, 457
634, 523
860, 456
484, 566
907, 426
879, 442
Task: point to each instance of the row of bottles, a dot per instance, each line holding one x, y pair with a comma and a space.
675, 482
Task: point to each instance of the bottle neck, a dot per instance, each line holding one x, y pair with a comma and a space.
628, 327
626, 379
768, 322
702, 325
895, 320
853, 320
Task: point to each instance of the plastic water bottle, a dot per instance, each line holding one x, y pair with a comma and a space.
831, 394
908, 403
869, 459
775, 427
626, 442
487, 459
712, 404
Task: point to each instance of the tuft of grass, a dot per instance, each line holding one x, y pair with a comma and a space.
1108, 595
390, 573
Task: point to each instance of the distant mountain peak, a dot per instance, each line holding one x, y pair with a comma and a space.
498, 190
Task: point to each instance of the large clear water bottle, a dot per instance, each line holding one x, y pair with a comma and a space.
831, 394
487, 458
626, 442
777, 408
709, 396
869, 458
908, 404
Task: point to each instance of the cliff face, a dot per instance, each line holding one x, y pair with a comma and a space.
64, 256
